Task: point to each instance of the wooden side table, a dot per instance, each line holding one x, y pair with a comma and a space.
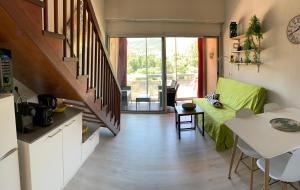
179, 111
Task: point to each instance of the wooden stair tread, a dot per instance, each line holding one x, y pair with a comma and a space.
92, 120
70, 59
79, 77
53, 34
90, 117
91, 90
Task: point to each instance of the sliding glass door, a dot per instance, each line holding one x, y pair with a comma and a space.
144, 73
182, 65
143, 65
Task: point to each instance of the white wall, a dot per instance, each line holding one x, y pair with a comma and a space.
25, 92
279, 73
99, 11
164, 17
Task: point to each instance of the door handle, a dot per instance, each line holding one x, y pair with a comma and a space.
67, 125
92, 136
50, 136
8, 154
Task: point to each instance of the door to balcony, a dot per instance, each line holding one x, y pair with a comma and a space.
146, 68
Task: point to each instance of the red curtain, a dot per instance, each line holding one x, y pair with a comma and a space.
122, 62
200, 67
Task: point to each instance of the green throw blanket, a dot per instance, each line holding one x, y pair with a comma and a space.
234, 95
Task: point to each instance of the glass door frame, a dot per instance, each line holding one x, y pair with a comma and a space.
163, 77
205, 62
164, 67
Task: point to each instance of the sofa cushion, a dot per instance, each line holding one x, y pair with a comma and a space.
237, 95
214, 123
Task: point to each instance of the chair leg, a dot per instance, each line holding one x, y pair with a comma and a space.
284, 185
233, 155
252, 172
238, 163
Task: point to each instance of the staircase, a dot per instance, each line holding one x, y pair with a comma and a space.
57, 48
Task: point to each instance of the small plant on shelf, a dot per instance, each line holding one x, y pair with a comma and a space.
247, 47
253, 40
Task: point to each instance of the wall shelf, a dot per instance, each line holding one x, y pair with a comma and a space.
239, 37
243, 63
243, 51
238, 55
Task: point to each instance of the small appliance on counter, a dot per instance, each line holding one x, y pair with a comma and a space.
43, 116
30, 115
47, 100
25, 112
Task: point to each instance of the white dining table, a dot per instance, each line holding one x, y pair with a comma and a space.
258, 133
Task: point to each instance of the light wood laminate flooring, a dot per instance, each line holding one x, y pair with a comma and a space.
147, 155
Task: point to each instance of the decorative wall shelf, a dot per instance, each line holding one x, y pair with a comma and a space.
243, 63
240, 37
238, 54
243, 51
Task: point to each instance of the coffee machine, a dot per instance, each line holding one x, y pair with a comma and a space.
48, 100
43, 116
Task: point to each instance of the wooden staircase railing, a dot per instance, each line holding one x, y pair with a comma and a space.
75, 22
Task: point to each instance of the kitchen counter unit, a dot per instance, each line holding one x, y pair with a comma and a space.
54, 151
58, 120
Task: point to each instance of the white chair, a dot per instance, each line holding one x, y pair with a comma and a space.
271, 107
284, 168
246, 150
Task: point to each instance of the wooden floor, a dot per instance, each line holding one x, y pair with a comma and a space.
147, 155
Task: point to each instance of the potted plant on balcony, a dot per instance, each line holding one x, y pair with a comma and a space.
253, 40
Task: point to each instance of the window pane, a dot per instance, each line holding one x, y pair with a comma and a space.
154, 60
182, 65
136, 66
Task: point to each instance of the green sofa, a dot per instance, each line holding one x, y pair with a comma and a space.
234, 95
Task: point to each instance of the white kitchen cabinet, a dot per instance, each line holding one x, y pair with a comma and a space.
9, 173
50, 157
9, 166
72, 137
8, 136
46, 164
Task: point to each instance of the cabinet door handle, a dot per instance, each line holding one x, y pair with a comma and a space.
92, 136
50, 136
8, 154
67, 125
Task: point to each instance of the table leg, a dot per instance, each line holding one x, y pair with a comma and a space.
202, 124
266, 179
195, 120
233, 155
252, 172
149, 105
176, 120
136, 105
179, 131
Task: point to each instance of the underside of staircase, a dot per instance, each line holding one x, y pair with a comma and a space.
47, 62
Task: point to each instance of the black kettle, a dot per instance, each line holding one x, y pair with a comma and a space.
48, 100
